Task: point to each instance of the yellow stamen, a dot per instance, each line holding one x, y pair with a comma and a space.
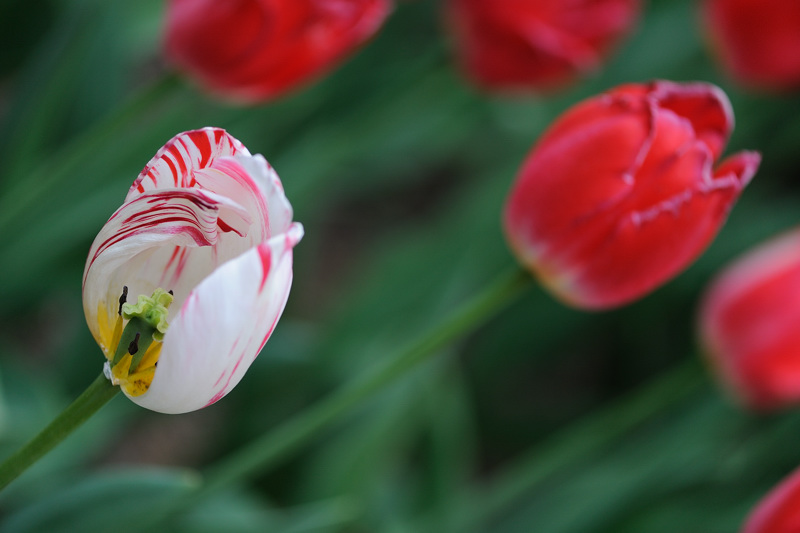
109, 335
117, 332
146, 320
139, 382
136, 383
151, 356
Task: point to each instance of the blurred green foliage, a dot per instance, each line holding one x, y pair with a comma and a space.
398, 170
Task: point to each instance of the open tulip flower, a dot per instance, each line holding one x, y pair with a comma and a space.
621, 193
778, 511
186, 281
535, 44
253, 50
749, 323
758, 41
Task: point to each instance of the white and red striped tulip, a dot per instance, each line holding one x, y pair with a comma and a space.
210, 222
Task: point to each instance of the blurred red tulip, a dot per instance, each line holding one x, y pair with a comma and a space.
535, 44
253, 50
619, 195
750, 324
778, 511
758, 41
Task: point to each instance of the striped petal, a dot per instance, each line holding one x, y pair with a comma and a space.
221, 327
168, 238
175, 163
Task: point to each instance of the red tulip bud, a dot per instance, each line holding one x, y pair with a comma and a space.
758, 41
253, 50
535, 44
778, 511
620, 194
750, 324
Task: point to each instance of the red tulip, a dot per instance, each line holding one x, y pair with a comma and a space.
778, 511
758, 41
535, 44
750, 324
620, 193
253, 50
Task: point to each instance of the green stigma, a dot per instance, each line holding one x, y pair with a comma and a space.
152, 310
147, 322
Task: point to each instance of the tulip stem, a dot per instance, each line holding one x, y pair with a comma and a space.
89, 402
265, 452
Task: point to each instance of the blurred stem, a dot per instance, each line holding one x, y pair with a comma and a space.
24, 191
267, 451
89, 402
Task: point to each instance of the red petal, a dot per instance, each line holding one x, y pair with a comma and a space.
779, 511
705, 106
252, 50
757, 40
512, 44
648, 247
749, 323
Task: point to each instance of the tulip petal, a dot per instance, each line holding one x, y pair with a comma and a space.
170, 237
213, 160
678, 156
221, 327
252, 50
705, 106
778, 511
647, 246
555, 197
758, 41
252, 183
748, 325
519, 44
175, 163
310, 39
740, 167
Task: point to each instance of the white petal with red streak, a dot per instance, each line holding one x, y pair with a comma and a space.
251, 182
221, 327
139, 246
175, 163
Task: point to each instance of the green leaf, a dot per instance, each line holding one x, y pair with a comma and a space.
99, 502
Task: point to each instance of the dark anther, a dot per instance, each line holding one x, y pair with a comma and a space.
133, 347
171, 293
123, 298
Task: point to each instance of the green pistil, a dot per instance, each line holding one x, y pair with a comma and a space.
147, 321
152, 310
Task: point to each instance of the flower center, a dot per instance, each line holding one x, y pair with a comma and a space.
138, 343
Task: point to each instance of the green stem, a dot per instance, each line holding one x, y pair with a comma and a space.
93, 398
25, 191
267, 451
